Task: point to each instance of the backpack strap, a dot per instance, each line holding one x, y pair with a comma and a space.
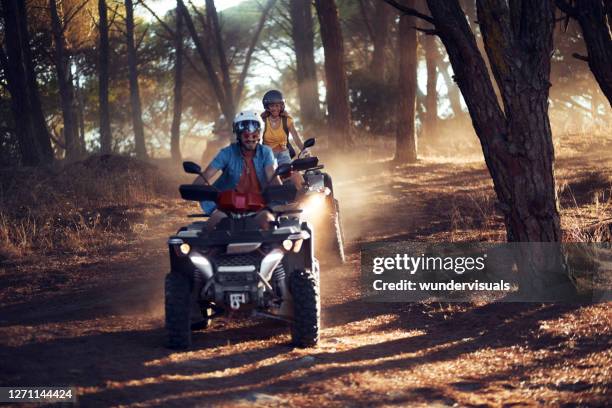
286, 129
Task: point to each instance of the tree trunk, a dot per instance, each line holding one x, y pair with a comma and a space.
249, 53
14, 70
517, 141
80, 113
66, 88
406, 143
103, 79
303, 39
211, 12
335, 74
591, 15
39, 124
226, 97
380, 34
431, 101
227, 109
175, 137
139, 137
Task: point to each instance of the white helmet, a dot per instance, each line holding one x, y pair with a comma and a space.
246, 120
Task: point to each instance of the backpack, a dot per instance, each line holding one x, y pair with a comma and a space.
286, 129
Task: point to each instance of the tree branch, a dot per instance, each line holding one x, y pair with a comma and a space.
170, 31
159, 20
427, 31
201, 18
249, 54
144, 34
364, 15
111, 21
214, 80
211, 11
410, 11
73, 13
580, 57
567, 8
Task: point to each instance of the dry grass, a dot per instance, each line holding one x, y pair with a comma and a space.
587, 207
585, 215
475, 218
77, 208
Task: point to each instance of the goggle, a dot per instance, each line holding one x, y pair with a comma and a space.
248, 126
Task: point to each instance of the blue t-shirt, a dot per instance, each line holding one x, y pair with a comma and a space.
229, 161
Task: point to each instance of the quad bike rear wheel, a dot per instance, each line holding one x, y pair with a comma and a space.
305, 291
178, 310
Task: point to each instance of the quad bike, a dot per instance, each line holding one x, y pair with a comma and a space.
239, 268
325, 210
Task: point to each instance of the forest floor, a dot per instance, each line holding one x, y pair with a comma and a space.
95, 320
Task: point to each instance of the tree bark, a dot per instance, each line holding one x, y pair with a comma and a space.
335, 75
103, 80
516, 141
16, 82
66, 88
175, 137
139, 137
302, 34
431, 101
405, 136
39, 123
517, 144
595, 25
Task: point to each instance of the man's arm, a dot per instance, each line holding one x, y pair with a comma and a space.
217, 164
208, 174
272, 179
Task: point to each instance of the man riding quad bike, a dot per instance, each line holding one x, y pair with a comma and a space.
243, 263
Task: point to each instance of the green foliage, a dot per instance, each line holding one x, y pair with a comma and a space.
373, 103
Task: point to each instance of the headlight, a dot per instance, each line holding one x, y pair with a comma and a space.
314, 206
202, 263
269, 263
180, 247
287, 244
297, 246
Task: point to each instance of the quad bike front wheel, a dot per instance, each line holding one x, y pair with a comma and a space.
178, 310
305, 291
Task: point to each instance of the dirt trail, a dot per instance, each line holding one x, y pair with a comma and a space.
98, 325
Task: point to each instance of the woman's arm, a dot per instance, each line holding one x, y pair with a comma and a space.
296, 136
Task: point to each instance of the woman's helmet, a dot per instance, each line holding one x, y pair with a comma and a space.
246, 120
273, 96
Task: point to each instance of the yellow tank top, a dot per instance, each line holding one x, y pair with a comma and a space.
276, 138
